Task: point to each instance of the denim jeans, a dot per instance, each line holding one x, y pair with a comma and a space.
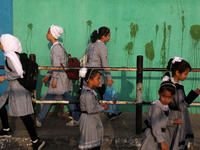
46, 107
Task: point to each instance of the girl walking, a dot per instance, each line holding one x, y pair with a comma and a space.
60, 85
91, 128
180, 135
155, 137
97, 53
16, 96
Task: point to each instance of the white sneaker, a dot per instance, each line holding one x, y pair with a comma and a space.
38, 124
72, 123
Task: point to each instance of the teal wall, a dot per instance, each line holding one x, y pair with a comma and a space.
156, 29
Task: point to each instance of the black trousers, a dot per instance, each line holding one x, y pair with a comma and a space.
27, 120
101, 90
96, 148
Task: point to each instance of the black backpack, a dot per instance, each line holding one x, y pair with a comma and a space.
30, 68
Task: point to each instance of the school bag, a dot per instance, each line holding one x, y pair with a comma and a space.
30, 68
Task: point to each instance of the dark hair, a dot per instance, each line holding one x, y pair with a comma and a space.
168, 86
178, 66
91, 74
97, 34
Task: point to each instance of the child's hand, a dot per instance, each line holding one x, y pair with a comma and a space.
44, 80
197, 91
105, 106
2, 78
177, 121
164, 146
109, 82
53, 84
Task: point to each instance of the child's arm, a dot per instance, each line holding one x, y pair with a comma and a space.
11, 75
92, 106
155, 113
192, 96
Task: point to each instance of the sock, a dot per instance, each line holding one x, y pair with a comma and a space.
6, 129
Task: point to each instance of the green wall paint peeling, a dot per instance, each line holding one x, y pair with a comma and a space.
149, 51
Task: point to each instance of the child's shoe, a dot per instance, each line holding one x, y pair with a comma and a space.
72, 123
38, 145
5, 134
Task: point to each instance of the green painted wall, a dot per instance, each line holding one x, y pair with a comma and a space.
156, 29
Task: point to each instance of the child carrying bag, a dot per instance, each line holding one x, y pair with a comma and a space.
109, 95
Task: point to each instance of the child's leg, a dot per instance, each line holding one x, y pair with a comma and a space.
29, 124
46, 107
96, 148
72, 107
4, 117
60, 112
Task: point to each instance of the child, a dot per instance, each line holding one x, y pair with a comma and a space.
97, 53
16, 96
59, 82
180, 135
155, 137
91, 128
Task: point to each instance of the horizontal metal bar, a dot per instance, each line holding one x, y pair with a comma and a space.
61, 101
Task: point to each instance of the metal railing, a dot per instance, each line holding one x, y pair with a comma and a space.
139, 87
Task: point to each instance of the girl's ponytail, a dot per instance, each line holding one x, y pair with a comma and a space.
94, 36
169, 64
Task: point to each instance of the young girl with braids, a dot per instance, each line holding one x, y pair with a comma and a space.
180, 135
91, 128
155, 137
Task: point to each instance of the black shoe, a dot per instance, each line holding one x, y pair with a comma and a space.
113, 116
5, 134
38, 145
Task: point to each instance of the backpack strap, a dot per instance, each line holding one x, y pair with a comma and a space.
6, 63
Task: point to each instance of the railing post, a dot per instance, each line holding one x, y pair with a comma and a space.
33, 93
139, 94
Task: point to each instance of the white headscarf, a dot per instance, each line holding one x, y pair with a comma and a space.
11, 45
56, 31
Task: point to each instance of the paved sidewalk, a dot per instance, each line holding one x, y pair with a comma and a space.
119, 134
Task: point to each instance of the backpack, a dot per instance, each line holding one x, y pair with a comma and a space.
73, 62
30, 68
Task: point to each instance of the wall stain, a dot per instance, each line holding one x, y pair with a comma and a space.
195, 32
149, 51
163, 49
183, 28
157, 29
115, 39
194, 52
89, 27
29, 37
65, 35
169, 27
129, 48
134, 29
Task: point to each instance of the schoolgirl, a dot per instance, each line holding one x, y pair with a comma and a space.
180, 135
16, 96
154, 137
59, 82
97, 53
91, 128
